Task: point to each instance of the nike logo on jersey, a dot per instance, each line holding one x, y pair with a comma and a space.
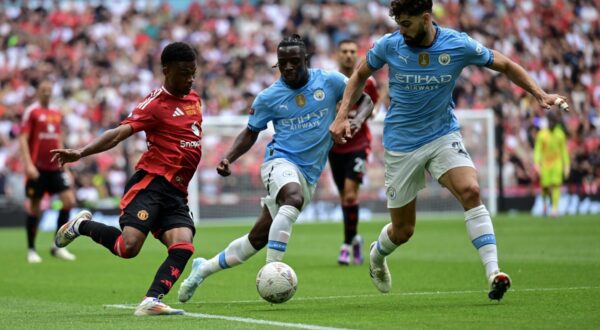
178, 112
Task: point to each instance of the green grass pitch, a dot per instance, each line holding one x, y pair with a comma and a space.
438, 282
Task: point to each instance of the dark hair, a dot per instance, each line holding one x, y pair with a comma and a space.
177, 52
346, 41
293, 40
410, 7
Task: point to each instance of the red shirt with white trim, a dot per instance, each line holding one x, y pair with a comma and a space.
173, 135
43, 127
362, 139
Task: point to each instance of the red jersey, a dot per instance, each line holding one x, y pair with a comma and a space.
362, 139
173, 132
43, 126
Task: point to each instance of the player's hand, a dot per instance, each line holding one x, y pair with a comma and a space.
64, 156
355, 126
340, 131
548, 100
32, 172
223, 167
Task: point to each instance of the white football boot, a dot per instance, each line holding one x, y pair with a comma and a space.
33, 257
191, 283
68, 232
153, 306
380, 274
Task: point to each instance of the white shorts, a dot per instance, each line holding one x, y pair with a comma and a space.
405, 171
275, 174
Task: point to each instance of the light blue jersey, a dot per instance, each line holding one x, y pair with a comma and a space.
421, 80
301, 118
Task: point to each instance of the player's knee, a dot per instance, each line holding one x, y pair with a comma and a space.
470, 194
131, 247
293, 199
349, 199
402, 233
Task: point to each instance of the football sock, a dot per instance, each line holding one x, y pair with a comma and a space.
108, 236
31, 224
171, 269
383, 247
555, 198
350, 222
481, 233
280, 232
234, 254
63, 217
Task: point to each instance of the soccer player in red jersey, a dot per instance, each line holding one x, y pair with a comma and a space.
155, 197
348, 161
40, 133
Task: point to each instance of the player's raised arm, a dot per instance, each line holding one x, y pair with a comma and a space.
107, 140
521, 78
243, 142
340, 128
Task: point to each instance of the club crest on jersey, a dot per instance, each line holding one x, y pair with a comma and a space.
143, 215
300, 100
444, 59
423, 59
319, 95
196, 128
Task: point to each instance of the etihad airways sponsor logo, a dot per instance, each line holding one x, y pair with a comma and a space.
423, 79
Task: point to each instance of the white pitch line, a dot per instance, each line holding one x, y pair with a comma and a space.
244, 320
424, 293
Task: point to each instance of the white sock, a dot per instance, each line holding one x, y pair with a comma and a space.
383, 247
234, 254
280, 232
481, 233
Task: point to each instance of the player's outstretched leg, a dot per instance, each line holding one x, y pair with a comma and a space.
499, 284
153, 306
234, 254
69, 231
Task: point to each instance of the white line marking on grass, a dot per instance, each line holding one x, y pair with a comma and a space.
243, 319
424, 293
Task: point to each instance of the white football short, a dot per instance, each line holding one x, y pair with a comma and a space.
405, 171
275, 174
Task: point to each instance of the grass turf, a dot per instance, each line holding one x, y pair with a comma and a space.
438, 281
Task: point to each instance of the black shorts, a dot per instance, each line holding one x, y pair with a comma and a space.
351, 165
151, 203
52, 182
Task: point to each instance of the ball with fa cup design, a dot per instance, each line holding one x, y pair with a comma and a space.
276, 282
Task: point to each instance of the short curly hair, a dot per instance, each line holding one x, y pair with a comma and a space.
177, 52
410, 7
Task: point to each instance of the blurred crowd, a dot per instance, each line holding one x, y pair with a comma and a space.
104, 58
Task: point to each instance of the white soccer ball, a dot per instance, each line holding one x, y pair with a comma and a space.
276, 282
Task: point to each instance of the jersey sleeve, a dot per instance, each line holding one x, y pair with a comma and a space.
371, 90
260, 114
338, 83
376, 55
476, 53
141, 118
27, 122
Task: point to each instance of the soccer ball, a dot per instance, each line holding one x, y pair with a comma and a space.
276, 282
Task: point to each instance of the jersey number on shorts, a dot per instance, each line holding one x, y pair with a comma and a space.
359, 165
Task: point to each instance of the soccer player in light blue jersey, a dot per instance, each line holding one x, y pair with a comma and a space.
301, 105
421, 132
